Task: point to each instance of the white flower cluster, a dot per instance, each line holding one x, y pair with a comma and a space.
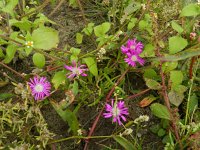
100, 54
128, 131
192, 127
21, 90
142, 118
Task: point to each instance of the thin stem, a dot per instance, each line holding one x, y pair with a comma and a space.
100, 113
36, 9
138, 94
189, 95
79, 137
56, 8
1, 63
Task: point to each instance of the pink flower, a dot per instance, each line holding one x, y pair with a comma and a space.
133, 58
132, 46
117, 111
132, 50
76, 70
40, 87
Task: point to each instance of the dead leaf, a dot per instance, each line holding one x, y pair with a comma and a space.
147, 101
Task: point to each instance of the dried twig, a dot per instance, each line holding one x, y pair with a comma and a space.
17, 73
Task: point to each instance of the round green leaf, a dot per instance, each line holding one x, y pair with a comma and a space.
191, 10
45, 38
59, 78
39, 60
176, 44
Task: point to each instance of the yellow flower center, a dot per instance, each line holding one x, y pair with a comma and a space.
29, 44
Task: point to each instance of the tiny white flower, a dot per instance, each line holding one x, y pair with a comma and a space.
102, 51
80, 132
143, 6
127, 131
142, 118
29, 44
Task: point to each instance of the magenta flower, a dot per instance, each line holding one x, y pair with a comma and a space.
133, 58
132, 46
117, 111
40, 87
132, 50
76, 70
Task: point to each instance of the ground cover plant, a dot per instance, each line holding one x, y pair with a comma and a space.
99, 74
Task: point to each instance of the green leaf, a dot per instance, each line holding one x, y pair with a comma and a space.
67, 115
24, 24
176, 77
160, 111
101, 30
177, 27
10, 7
88, 30
45, 38
155, 128
169, 66
73, 3
4, 96
175, 98
75, 88
180, 56
193, 103
161, 132
150, 74
124, 143
59, 78
92, 65
143, 24
148, 51
10, 53
191, 10
179, 88
152, 84
1, 53
39, 60
79, 38
176, 44
75, 51
131, 23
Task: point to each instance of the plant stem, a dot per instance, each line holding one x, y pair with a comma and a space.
189, 95
138, 94
17, 73
100, 113
36, 9
79, 137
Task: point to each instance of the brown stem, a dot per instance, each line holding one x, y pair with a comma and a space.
164, 88
36, 9
56, 8
138, 94
82, 11
1, 63
100, 113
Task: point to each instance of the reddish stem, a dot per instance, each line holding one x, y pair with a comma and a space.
100, 113
138, 94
